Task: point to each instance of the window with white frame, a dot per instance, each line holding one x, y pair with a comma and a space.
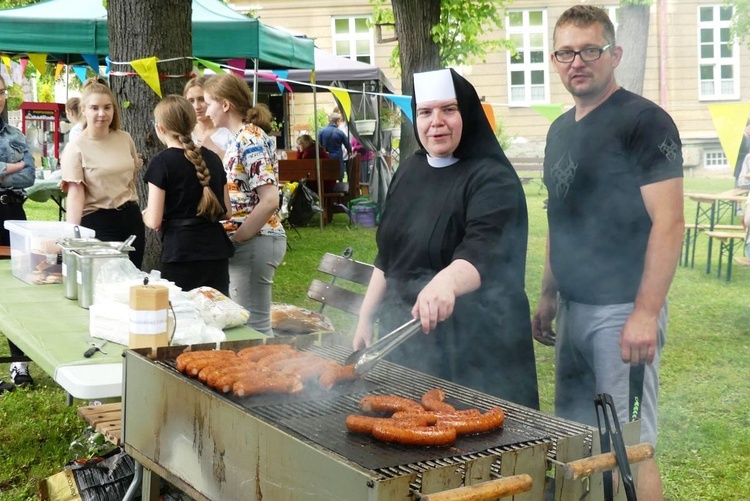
718, 58
714, 158
352, 38
528, 69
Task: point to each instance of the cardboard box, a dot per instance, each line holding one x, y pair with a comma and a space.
35, 256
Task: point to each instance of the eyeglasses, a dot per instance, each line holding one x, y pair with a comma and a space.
587, 55
3, 92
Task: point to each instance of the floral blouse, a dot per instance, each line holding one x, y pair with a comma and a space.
250, 162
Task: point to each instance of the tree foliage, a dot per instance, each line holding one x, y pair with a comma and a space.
740, 19
459, 32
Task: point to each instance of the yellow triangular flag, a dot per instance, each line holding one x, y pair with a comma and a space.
6, 62
345, 100
58, 69
729, 121
146, 69
39, 61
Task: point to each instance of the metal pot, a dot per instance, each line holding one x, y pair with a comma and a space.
70, 287
89, 262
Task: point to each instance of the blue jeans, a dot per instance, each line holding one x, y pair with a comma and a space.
251, 272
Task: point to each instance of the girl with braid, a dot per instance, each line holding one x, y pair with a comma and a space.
187, 198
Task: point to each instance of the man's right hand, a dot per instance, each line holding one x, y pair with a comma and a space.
541, 322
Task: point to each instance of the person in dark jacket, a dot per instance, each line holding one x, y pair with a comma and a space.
452, 251
332, 139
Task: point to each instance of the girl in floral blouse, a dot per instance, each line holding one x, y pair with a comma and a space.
252, 174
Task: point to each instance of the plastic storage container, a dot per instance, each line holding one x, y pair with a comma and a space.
34, 253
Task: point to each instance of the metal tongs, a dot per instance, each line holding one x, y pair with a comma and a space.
603, 402
364, 360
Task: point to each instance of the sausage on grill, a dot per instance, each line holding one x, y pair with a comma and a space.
255, 353
467, 424
183, 359
425, 436
433, 400
389, 403
278, 383
336, 374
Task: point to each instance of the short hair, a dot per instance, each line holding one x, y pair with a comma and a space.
97, 85
583, 16
334, 117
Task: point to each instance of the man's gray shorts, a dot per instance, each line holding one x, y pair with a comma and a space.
588, 362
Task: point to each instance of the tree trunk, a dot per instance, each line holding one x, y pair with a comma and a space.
632, 35
138, 30
417, 52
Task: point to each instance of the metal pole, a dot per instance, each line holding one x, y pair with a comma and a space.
255, 82
317, 146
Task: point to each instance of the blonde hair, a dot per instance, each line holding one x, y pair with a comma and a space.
234, 90
74, 105
96, 85
305, 140
177, 117
194, 82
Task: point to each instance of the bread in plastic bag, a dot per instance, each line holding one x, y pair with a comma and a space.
290, 318
217, 309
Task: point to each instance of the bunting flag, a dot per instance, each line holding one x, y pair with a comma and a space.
404, 103
146, 69
312, 77
24, 63
490, 114
58, 69
108, 61
730, 120
548, 111
283, 74
92, 60
345, 100
80, 72
39, 61
210, 65
237, 66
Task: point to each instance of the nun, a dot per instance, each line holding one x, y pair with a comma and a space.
452, 251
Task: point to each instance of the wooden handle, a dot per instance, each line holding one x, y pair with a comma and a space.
604, 462
502, 487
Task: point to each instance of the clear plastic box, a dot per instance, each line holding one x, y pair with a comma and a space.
34, 253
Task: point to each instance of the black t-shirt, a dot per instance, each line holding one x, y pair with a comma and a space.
176, 175
594, 170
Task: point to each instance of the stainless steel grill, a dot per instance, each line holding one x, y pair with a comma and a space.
284, 447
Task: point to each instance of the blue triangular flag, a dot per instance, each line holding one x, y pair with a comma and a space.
403, 102
93, 61
282, 74
109, 64
80, 73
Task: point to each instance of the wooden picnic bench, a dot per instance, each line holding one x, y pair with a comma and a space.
529, 169
104, 418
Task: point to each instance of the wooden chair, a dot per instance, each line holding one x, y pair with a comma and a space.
346, 275
330, 198
342, 269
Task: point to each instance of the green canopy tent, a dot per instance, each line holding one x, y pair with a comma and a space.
65, 29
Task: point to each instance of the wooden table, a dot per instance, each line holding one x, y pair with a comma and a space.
53, 331
709, 210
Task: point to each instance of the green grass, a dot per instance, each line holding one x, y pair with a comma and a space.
704, 422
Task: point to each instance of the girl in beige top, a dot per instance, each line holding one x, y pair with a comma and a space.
98, 172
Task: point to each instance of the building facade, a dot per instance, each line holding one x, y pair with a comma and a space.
691, 63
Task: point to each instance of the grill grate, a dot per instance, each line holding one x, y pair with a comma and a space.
318, 416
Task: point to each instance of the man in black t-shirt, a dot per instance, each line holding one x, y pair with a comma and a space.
613, 168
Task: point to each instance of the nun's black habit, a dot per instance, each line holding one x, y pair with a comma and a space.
474, 210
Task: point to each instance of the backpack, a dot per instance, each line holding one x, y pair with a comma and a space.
303, 205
